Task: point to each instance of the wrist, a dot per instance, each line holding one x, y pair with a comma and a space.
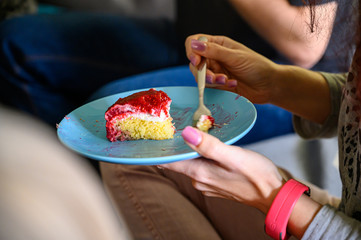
280, 211
278, 77
271, 195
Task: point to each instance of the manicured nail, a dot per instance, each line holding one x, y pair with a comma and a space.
221, 79
209, 79
192, 136
232, 83
192, 58
198, 45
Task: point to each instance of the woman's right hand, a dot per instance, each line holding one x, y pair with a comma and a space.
233, 66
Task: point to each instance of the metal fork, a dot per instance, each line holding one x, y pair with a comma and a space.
201, 79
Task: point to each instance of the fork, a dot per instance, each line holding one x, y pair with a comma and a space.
201, 79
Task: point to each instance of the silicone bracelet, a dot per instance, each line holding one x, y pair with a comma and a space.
281, 208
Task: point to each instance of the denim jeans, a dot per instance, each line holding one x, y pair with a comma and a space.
51, 63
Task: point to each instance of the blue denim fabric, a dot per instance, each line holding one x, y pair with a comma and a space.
50, 64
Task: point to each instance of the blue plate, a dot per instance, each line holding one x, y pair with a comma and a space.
83, 130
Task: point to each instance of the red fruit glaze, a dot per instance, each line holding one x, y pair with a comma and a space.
151, 102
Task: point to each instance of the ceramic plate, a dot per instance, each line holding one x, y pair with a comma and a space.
83, 130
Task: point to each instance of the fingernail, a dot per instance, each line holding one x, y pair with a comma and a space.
192, 58
221, 80
209, 79
232, 83
198, 45
192, 136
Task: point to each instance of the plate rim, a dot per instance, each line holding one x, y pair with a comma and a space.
152, 160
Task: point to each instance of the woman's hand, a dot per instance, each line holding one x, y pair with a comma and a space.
233, 66
229, 172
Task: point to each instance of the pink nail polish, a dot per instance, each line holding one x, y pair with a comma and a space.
192, 59
198, 45
192, 136
232, 83
221, 80
209, 79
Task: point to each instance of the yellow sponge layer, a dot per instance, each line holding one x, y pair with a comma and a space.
135, 128
205, 125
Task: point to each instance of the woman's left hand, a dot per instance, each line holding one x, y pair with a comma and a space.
229, 172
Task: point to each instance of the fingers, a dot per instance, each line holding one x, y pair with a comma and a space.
208, 190
216, 79
218, 56
195, 59
220, 40
186, 167
208, 50
217, 48
207, 145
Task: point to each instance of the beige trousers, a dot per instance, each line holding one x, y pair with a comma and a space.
160, 204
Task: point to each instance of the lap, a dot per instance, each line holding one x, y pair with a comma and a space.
152, 205
162, 204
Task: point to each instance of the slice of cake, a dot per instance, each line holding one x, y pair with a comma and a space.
205, 122
142, 115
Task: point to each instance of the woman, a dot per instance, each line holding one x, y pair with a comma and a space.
229, 178
315, 100
234, 173
160, 202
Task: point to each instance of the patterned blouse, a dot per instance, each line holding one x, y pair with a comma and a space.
344, 222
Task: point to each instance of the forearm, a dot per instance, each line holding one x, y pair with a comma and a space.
287, 27
303, 92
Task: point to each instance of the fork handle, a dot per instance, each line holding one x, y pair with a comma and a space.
201, 74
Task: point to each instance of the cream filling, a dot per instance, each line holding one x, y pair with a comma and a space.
149, 117
143, 116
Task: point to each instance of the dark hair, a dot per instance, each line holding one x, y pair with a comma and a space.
311, 4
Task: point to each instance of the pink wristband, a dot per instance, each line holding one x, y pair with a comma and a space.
281, 208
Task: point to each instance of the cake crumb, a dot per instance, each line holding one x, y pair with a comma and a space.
205, 122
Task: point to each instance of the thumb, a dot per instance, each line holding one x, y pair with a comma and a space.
210, 50
206, 145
